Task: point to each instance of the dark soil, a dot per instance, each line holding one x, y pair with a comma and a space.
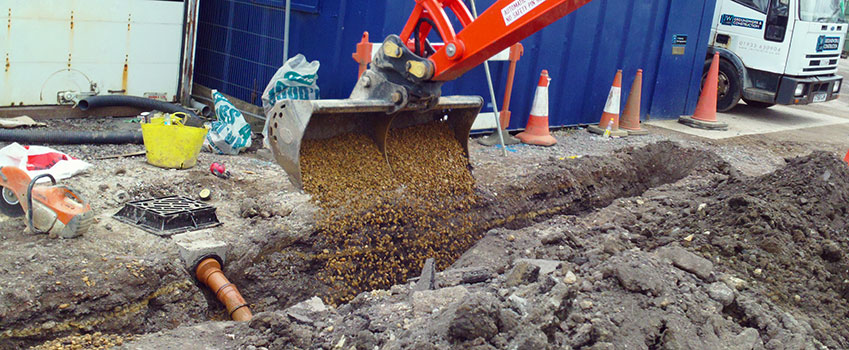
655, 247
560, 187
701, 258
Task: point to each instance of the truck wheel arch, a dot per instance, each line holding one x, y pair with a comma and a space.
728, 60
734, 59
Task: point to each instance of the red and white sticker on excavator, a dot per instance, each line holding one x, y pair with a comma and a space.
517, 9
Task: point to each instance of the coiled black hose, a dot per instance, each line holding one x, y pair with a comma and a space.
59, 137
141, 103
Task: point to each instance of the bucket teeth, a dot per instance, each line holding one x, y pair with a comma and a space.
293, 122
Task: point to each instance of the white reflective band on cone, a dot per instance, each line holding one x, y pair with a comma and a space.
540, 108
612, 105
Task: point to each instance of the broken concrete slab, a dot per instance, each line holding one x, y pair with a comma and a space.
683, 259
475, 276
638, 278
748, 339
196, 246
424, 302
427, 279
523, 273
545, 266
309, 306
720, 292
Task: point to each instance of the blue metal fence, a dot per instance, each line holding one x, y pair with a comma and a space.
240, 46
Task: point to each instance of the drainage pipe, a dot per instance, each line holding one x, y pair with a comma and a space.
138, 102
61, 137
202, 108
209, 273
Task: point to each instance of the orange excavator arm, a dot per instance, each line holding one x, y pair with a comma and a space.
505, 23
402, 87
409, 71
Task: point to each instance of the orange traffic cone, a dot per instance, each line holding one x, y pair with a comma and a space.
610, 117
631, 116
537, 133
846, 159
705, 116
363, 54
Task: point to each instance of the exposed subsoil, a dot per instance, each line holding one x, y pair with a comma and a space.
708, 261
663, 245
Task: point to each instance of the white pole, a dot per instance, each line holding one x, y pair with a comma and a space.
286, 31
492, 94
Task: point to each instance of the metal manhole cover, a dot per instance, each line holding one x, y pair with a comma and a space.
168, 215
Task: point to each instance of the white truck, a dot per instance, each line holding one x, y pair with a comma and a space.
777, 51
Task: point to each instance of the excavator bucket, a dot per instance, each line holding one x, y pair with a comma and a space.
295, 121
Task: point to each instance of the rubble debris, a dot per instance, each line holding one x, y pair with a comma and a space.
17, 122
123, 155
219, 170
427, 280
523, 273
687, 261
796, 302
205, 194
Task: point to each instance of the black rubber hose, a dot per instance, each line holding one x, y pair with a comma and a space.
138, 102
59, 137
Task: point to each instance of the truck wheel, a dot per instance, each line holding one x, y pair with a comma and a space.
758, 104
729, 88
9, 204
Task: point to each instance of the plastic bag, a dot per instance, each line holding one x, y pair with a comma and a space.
231, 133
296, 80
37, 160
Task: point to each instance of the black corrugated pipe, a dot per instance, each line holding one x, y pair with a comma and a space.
61, 137
138, 102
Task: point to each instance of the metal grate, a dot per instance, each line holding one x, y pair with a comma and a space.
168, 215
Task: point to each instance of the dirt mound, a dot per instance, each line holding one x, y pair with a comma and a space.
782, 237
658, 247
789, 231
716, 260
386, 242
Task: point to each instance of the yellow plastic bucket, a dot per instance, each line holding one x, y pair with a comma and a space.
170, 144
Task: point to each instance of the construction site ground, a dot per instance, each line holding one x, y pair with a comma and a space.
665, 241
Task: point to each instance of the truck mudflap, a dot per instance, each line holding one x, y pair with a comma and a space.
295, 121
815, 90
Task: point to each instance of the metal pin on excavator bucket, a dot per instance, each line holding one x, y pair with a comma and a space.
382, 100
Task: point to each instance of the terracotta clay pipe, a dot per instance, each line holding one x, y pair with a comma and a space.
209, 273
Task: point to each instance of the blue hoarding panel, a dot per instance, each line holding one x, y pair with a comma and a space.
240, 46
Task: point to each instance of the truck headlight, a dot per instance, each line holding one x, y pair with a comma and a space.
800, 90
836, 88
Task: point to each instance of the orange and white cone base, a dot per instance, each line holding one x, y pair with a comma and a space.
705, 115
537, 132
609, 123
631, 116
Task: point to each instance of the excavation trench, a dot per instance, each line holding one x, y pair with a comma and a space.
383, 238
374, 240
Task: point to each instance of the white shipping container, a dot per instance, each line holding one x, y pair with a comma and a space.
53, 49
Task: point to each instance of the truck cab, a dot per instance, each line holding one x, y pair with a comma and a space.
777, 51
